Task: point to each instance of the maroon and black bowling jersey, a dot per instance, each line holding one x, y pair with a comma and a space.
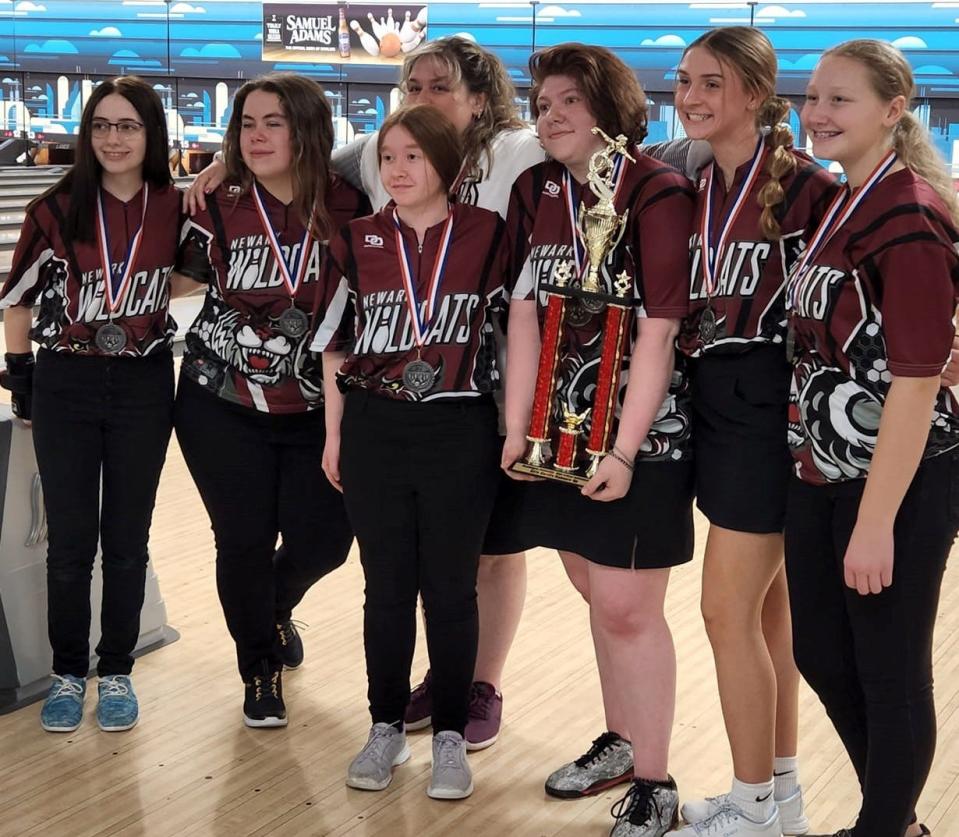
653, 252
235, 347
66, 277
364, 308
748, 302
876, 302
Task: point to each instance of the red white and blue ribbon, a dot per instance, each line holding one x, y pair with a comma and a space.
116, 282
294, 272
840, 211
421, 320
712, 255
572, 211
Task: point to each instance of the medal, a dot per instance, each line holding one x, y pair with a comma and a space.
110, 339
294, 323
712, 255
790, 341
418, 376
707, 325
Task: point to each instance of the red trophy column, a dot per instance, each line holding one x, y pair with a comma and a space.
607, 378
538, 435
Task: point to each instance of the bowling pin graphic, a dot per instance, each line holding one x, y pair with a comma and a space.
377, 27
366, 39
407, 31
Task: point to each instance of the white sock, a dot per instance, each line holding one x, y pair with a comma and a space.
756, 801
786, 776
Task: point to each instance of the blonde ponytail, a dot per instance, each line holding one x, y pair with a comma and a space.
916, 152
781, 162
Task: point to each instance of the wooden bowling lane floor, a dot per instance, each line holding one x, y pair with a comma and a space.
192, 768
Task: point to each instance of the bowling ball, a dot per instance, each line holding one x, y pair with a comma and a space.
390, 45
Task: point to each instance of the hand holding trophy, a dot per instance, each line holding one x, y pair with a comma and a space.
554, 425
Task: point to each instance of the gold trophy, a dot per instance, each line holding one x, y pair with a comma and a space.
554, 430
599, 226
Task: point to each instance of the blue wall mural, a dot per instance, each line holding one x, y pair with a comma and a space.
52, 51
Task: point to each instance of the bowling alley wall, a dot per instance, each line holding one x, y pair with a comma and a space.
53, 52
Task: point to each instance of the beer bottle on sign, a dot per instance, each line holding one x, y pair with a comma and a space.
344, 35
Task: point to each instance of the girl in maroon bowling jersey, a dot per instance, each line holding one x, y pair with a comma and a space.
248, 411
473, 89
755, 203
872, 510
95, 254
632, 522
405, 327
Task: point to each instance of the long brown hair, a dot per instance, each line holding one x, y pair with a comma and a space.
482, 73
891, 76
311, 136
612, 92
434, 134
748, 52
82, 181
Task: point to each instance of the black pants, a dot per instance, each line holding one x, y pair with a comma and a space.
869, 658
260, 477
96, 416
419, 482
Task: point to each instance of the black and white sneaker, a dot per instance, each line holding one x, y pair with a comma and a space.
607, 762
289, 645
649, 809
263, 698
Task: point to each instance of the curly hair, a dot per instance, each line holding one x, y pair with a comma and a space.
482, 73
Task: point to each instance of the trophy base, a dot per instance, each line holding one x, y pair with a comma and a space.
593, 302
550, 473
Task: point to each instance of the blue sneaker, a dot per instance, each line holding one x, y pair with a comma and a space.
63, 709
118, 709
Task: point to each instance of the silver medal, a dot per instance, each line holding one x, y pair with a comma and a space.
110, 339
418, 376
707, 326
294, 323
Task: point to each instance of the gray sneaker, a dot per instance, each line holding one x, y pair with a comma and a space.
452, 777
608, 762
649, 809
372, 769
791, 811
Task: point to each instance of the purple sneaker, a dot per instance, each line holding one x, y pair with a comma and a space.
486, 713
419, 711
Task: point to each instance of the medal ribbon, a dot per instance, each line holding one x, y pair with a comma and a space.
712, 263
117, 282
292, 273
572, 210
421, 324
831, 223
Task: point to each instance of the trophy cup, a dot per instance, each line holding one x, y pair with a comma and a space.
600, 228
553, 420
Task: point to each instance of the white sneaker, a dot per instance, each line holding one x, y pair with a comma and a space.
372, 769
451, 777
730, 821
791, 811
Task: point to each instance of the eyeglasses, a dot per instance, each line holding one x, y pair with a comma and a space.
125, 127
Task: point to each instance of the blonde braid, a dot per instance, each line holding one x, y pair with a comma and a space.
781, 162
